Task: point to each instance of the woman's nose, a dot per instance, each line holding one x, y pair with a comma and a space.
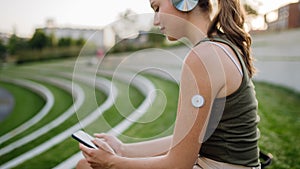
156, 21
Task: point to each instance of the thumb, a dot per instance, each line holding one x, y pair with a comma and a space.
103, 145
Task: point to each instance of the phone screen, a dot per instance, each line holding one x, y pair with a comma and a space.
84, 138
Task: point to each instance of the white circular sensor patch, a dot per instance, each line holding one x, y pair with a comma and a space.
197, 101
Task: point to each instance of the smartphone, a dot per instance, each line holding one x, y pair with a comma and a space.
84, 138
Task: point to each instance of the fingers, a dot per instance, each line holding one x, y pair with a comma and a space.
103, 136
111, 140
100, 135
90, 154
83, 164
103, 145
95, 165
97, 158
87, 153
85, 149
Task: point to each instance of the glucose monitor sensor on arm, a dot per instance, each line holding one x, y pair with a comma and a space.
197, 101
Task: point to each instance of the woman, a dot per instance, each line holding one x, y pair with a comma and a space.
216, 123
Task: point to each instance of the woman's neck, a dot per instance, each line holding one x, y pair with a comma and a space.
198, 27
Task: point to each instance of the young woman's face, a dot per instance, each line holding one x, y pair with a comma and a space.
168, 18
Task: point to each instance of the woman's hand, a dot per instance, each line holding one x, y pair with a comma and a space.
100, 158
113, 142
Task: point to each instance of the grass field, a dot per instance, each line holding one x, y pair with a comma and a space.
23, 110
161, 126
60, 96
279, 110
53, 156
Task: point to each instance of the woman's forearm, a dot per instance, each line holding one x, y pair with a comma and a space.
158, 162
147, 148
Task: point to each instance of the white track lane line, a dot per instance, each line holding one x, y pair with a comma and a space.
101, 84
40, 90
79, 99
147, 88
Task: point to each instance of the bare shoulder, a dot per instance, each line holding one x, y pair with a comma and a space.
205, 62
204, 55
205, 52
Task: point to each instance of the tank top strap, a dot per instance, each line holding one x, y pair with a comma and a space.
232, 46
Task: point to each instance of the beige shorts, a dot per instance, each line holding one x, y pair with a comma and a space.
206, 163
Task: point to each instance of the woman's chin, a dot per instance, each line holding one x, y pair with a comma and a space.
171, 38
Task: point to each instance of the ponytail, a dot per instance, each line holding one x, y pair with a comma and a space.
229, 21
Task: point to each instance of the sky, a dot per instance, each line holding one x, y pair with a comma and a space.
23, 16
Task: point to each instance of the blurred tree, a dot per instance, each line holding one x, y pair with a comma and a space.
127, 25
51, 40
15, 44
250, 10
65, 42
39, 40
2, 51
251, 6
80, 42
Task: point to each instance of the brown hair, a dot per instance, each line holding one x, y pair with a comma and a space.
229, 21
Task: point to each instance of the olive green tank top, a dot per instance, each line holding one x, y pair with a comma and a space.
232, 132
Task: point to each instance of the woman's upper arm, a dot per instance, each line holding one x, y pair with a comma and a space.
197, 78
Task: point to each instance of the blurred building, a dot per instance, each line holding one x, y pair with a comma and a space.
95, 36
4, 37
139, 39
285, 17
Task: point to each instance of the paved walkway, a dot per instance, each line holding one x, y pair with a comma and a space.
282, 44
7, 103
278, 58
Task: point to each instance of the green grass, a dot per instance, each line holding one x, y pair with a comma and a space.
87, 107
65, 149
156, 123
124, 105
279, 110
23, 109
63, 101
